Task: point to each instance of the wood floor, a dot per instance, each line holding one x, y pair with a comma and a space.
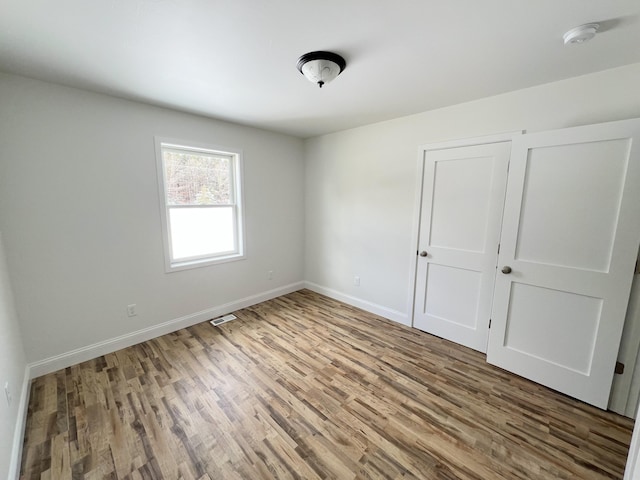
304, 387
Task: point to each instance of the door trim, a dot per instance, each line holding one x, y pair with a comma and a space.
625, 390
417, 203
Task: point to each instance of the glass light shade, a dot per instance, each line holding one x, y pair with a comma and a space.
320, 71
321, 67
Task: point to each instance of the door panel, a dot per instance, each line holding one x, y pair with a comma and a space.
553, 203
570, 235
571, 318
463, 196
441, 281
462, 189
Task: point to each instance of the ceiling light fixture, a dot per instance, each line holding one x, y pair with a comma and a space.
581, 34
321, 67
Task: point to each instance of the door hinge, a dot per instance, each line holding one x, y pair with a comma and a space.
489, 323
498, 249
637, 270
619, 370
508, 165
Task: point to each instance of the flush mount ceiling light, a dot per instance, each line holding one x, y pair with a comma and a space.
581, 34
321, 67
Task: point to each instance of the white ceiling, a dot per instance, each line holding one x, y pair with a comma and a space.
236, 60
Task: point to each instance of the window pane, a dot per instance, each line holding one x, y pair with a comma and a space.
197, 178
201, 231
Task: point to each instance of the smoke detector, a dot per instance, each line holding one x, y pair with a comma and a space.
581, 34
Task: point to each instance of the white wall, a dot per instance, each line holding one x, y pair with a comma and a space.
80, 216
361, 183
12, 370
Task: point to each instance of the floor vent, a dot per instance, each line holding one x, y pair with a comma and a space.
221, 320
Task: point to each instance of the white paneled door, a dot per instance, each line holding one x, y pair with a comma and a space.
461, 212
569, 242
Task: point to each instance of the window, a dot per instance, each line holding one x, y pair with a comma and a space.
201, 204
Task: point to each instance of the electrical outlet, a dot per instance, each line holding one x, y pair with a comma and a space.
356, 281
270, 274
7, 393
132, 310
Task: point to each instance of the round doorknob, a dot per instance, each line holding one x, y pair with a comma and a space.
506, 269
423, 253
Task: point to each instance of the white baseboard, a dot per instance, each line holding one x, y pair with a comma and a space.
83, 354
370, 307
21, 422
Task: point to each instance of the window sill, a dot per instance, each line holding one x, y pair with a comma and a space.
204, 262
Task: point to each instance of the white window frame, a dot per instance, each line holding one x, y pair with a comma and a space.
238, 253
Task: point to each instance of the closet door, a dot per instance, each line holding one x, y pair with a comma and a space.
569, 241
462, 200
